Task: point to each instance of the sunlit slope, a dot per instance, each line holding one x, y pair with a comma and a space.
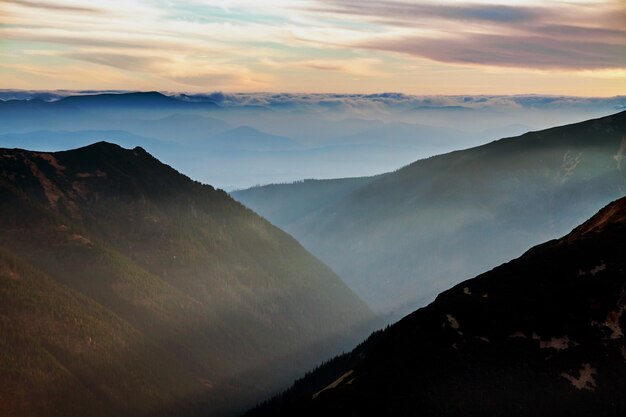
62, 354
223, 293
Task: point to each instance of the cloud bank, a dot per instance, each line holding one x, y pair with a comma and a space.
383, 101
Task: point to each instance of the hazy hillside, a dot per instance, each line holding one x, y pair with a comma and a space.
402, 238
540, 335
303, 198
154, 290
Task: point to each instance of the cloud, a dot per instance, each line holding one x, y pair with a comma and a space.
354, 66
404, 12
68, 38
399, 101
554, 35
55, 6
584, 33
323, 45
510, 51
117, 60
207, 80
324, 66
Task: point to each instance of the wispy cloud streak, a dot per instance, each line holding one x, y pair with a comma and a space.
316, 45
406, 12
552, 35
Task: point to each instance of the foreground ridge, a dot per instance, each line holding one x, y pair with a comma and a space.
142, 292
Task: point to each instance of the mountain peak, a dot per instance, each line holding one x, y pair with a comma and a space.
103, 151
103, 144
68, 178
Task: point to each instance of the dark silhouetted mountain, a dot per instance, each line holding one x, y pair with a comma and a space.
53, 140
90, 111
142, 100
409, 234
541, 335
130, 290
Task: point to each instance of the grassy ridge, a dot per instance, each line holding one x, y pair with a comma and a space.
213, 296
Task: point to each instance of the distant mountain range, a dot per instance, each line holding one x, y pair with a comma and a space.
235, 141
541, 335
400, 238
141, 100
127, 289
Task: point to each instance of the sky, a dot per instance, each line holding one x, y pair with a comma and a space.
570, 47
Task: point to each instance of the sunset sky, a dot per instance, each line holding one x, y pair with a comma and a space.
417, 47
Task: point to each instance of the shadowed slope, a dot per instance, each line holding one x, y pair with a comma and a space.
540, 335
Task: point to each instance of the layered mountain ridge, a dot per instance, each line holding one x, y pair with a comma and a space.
400, 239
251, 139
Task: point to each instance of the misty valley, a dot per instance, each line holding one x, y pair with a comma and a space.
441, 257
